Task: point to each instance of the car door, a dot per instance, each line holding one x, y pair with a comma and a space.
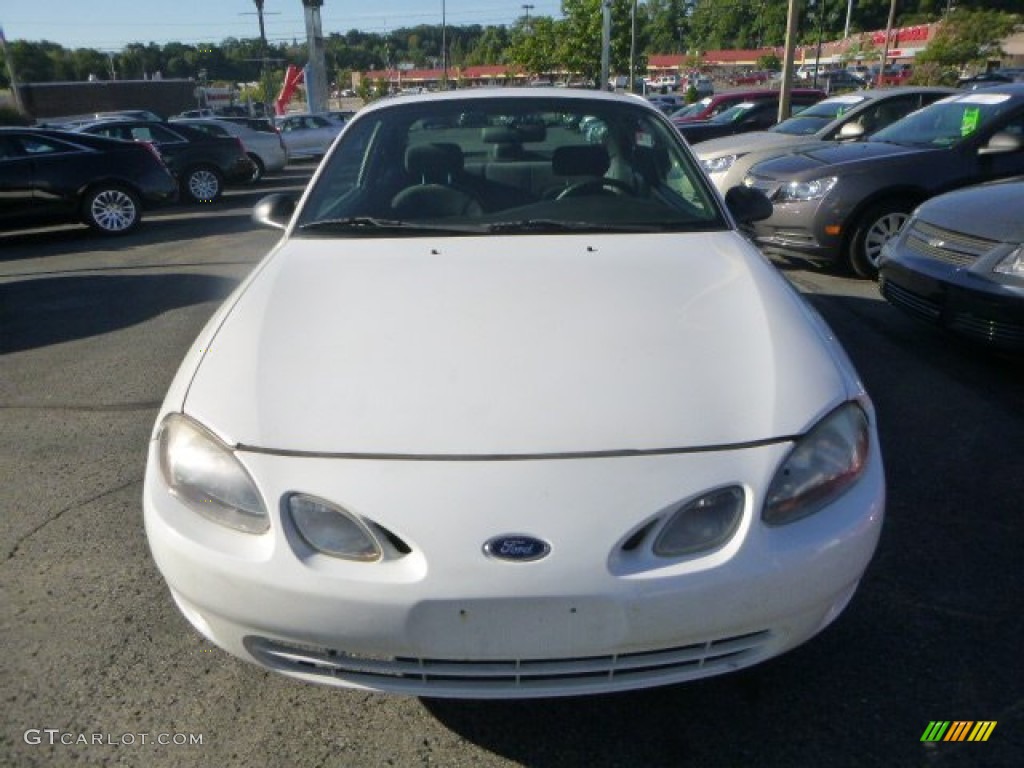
33, 175
296, 135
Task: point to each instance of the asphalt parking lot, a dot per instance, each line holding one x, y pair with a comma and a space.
99, 667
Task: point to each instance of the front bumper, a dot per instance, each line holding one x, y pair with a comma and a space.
958, 300
444, 620
796, 229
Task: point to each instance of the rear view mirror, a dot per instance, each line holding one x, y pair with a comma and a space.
748, 205
274, 211
851, 131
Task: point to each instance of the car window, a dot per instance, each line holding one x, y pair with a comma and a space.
818, 115
544, 160
211, 129
37, 146
947, 122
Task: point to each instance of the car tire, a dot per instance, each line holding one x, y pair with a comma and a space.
111, 209
874, 228
202, 184
260, 170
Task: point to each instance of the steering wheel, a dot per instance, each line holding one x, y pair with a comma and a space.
595, 185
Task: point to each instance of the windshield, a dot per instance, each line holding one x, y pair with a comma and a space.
734, 113
946, 122
817, 116
506, 165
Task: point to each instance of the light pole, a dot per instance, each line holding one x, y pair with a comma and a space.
632, 49
606, 39
821, 31
527, 7
444, 48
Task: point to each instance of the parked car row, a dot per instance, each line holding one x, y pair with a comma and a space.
840, 203
104, 169
202, 163
756, 112
48, 175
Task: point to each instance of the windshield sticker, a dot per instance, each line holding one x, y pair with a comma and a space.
643, 139
744, 105
970, 120
849, 98
984, 98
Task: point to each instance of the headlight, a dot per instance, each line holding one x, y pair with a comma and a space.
1013, 264
823, 464
719, 164
702, 524
204, 473
802, 191
330, 529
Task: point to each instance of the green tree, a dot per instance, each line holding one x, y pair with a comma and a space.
967, 39
535, 48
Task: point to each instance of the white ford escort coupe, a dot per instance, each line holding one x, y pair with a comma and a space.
513, 409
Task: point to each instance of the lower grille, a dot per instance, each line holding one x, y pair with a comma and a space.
910, 301
996, 332
421, 675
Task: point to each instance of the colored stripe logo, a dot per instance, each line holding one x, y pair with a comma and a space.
958, 730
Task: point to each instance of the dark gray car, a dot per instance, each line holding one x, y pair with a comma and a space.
840, 204
847, 117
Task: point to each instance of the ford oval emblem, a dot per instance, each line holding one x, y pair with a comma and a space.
517, 548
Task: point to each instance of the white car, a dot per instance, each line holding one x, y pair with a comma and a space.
308, 135
266, 149
508, 414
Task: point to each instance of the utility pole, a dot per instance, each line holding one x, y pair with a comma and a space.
444, 48
632, 49
12, 75
885, 49
316, 76
792, 22
606, 39
527, 7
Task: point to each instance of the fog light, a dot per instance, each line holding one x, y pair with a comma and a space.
702, 524
330, 529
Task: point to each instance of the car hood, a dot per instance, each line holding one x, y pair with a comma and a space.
752, 141
845, 159
987, 211
515, 345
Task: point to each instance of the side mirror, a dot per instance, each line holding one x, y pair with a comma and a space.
274, 211
748, 205
1002, 141
851, 131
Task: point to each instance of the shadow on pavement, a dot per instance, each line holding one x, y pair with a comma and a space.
37, 313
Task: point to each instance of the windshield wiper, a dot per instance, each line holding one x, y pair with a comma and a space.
371, 223
560, 225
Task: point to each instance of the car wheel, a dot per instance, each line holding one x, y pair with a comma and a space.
112, 210
259, 169
878, 224
203, 184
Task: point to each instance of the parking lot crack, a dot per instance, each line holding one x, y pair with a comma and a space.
82, 407
77, 505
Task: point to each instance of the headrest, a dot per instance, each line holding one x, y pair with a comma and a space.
509, 151
580, 160
530, 132
514, 134
499, 134
434, 162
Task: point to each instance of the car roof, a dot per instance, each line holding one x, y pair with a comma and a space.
469, 95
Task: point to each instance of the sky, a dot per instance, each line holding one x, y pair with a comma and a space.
109, 25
